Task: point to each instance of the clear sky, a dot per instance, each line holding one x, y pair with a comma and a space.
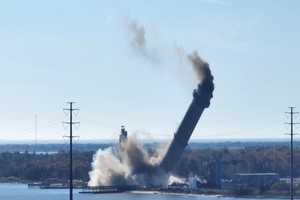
55, 51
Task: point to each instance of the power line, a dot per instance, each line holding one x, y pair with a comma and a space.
292, 134
71, 123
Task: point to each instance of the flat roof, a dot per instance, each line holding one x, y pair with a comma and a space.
256, 174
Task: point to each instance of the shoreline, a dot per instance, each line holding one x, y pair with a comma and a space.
213, 195
181, 193
174, 193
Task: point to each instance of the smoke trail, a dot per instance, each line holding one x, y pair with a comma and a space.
139, 43
204, 74
201, 67
138, 33
130, 166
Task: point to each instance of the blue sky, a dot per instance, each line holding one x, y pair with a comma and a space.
55, 51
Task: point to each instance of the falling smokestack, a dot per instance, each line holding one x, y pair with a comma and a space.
132, 164
201, 100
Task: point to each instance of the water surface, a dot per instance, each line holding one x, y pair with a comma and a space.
21, 192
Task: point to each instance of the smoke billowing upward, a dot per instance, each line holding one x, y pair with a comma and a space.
138, 33
130, 166
139, 42
107, 169
201, 67
203, 72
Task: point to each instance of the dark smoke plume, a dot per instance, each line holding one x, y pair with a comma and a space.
201, 67
138, 33
139, 43
203, 72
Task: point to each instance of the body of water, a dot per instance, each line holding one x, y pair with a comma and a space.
10, 191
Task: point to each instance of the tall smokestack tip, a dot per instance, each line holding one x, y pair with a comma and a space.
205, 89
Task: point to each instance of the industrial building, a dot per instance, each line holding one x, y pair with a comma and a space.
255, 180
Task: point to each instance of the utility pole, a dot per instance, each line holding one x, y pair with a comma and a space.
70, 124
292, 123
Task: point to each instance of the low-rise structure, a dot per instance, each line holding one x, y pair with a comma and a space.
255, 180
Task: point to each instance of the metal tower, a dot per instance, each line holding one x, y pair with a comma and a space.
292, 134
71, 123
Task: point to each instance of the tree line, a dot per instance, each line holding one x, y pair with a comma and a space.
201, 162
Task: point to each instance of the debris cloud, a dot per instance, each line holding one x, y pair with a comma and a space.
132, 165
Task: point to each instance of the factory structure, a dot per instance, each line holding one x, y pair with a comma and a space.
122, 137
